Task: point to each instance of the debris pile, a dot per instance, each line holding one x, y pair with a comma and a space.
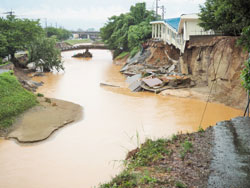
85, 54
146, 72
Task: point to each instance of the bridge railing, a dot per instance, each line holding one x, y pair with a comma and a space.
100, 47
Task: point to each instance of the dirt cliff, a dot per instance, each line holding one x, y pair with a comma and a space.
216, 61
210, 61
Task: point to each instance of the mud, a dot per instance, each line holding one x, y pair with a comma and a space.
40, 122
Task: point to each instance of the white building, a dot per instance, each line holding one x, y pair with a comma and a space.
177, 31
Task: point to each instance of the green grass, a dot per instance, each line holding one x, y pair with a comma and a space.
78, 41
122, 55
14, 99
186, 147
129, 180
149, 152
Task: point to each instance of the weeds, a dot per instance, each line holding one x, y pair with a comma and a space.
180, 185
201, 130
186, 147
122, 55
40, 95
149, 152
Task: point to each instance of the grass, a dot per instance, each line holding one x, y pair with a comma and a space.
129, 179
146, 167
122, 55
14, 99
78, 41
186, 147
149, 152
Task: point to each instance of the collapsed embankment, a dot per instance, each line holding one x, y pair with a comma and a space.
217, 61
209, 64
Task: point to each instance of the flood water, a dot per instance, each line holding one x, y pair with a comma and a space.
88, 152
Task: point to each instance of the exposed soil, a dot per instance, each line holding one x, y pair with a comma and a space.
174, 169
41, 121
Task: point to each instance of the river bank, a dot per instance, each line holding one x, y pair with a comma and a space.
38, 120
87, 152
180, 161
209, 69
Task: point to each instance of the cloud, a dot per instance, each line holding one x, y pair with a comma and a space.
73, 14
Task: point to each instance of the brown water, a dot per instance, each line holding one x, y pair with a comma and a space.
84, 154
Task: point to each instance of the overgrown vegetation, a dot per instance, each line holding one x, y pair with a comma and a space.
44, 54
122, 55
14, 99
147, 161
58, 33
126, 32
23, 34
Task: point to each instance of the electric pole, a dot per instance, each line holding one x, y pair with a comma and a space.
156, 11
10, 13
163, 11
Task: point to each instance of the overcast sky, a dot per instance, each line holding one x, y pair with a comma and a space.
84, 14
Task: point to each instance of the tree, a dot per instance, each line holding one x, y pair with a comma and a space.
226, 16
59, 33
124, 32
45, 55
19, 33
3, 44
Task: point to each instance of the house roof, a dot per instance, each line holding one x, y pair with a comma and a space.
173, 22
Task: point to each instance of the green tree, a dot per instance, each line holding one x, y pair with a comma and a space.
45, 55
118, 31
59, 33
3, 45
226, 16
19, 33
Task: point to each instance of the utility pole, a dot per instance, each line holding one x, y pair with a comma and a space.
163, 11
156, 11
10, 13
46, 23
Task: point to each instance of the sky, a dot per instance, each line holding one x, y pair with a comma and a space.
84, 14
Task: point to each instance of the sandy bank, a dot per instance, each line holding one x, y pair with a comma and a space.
40, 122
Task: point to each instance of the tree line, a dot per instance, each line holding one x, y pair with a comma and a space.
126, 32
28, 35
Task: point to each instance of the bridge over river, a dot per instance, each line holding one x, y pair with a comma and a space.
80, 47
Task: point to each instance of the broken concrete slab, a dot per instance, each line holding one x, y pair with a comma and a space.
135, 86
152, 82
134, 78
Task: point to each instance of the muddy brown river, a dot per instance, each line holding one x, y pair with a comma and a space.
88, 152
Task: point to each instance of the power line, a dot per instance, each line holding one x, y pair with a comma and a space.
211, 89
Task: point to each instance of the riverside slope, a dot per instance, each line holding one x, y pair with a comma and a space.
40, 122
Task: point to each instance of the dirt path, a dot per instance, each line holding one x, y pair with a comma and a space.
40, 122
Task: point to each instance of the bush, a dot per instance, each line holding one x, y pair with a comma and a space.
45, 49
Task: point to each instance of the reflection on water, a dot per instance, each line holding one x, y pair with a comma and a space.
83, 154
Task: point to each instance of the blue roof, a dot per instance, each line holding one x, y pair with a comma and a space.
173, 22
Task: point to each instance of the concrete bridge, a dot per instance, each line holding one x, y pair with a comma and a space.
86, 34
80, 47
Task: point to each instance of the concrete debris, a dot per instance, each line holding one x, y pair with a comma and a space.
154, 75
152, 82
134, 78
109, 85
135, 86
